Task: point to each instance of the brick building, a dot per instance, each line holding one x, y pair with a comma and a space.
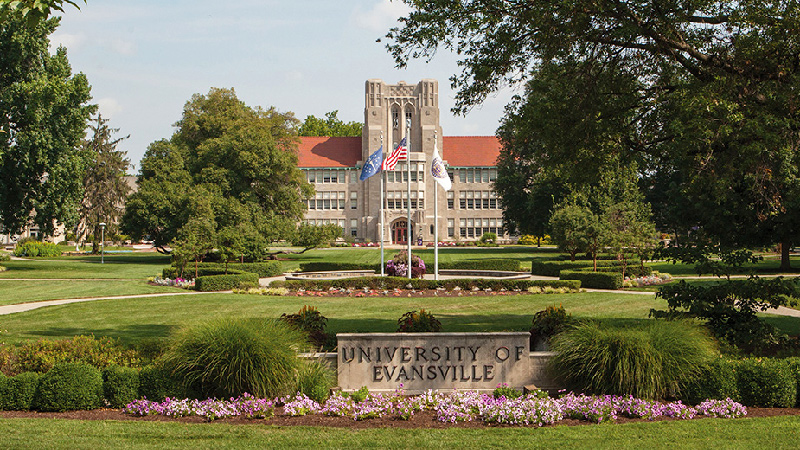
333, 165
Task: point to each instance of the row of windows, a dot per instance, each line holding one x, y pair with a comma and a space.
475, 228
476, 175
331, 200
399, 199
331, 175
339, 222
475, 200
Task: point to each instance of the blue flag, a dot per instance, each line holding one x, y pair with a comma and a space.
373, 164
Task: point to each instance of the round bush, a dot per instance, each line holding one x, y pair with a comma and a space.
766, 383
17, 392
230, 357
157, 383
648, 361
120, 385
68, 387
716, 381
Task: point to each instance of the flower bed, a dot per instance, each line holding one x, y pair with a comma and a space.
458, 406
177, 282
653, 279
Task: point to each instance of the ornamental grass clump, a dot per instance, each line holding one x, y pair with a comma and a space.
649, 361
229, 357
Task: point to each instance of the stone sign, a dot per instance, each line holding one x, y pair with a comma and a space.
422, 361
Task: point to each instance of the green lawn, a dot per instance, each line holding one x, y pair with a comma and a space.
24, 291
135, 266
747, 433
134, 319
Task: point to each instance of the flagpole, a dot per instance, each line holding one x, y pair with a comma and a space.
383, 174
408, 189
435, 214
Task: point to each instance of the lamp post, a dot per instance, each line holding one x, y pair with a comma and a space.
102, 242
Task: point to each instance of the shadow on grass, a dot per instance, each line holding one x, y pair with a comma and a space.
126, 334
143, 259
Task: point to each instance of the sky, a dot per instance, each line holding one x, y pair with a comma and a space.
146, 58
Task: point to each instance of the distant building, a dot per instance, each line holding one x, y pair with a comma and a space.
333, 166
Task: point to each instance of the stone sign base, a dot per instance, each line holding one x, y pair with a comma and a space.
417, 362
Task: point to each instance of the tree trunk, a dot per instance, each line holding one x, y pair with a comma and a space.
538, 241
786, 264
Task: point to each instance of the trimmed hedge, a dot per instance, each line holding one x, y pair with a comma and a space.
157, 383
419, 284
794, 367
594, 280
212, 283
263, 269
766, 383
550, 268
506, 265
17, 392
716, 381
120, 385
34, 249
69, 387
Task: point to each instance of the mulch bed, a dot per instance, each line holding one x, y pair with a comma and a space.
426, 419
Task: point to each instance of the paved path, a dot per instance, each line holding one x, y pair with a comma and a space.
22, 307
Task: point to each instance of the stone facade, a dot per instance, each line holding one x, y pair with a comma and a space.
391, 113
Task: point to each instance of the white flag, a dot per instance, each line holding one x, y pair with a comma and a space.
439, 171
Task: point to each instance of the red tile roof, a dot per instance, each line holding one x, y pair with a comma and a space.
466, 151
458, 151
329, 151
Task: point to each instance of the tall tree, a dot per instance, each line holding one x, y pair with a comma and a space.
330, 126
34, 11
104, 185
701, 94
43, 113
242, 160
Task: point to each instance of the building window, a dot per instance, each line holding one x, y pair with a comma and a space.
311, 175
450, 199
462, 225
354, 200
462, 200
485, 175
354, 227
470, 176
492, 199
451, 229
462, 175
341, 201
492, 175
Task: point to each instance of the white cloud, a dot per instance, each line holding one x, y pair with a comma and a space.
122, 46
109, 106
381, 17
71, 41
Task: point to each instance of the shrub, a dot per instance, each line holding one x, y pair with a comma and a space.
37, 249
228, 357
418, 322
647, 361
488, 238
157, 383
502, 390
226, 282
549, 322
120, 385
263, 269
17, 392
716, 381
766, 383
315, 380
594, 280
68, 387
42, 355
507, 265
310, 321
794, 367
398, 266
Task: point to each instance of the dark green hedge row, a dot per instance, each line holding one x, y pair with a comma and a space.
211, 283
506, 265
759, 382
403, 283
550, 268
594, 280
263, 269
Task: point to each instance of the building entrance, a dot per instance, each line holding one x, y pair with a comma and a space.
400, 232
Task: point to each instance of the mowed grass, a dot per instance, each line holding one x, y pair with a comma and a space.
745, 433
25, 291
133, 266
133, 319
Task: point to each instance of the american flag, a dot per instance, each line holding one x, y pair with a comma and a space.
400, 152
